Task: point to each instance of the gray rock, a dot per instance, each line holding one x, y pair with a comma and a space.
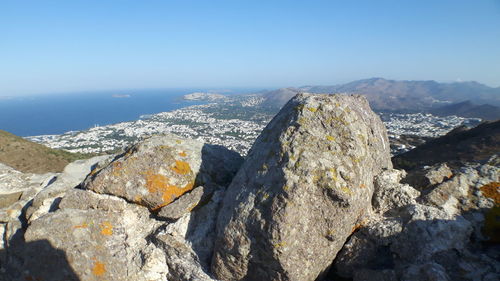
48, 198
183, 263
87, 241
389, 194
182, 205
10, 198
307, 181
429, 176
160, 169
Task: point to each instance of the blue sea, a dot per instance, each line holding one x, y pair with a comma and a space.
57, 114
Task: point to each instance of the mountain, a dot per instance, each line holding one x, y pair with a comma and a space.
392, 95
470, 110
30, 157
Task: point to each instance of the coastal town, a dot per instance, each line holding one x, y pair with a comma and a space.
234, 123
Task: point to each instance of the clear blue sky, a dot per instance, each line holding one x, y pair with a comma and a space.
63, 46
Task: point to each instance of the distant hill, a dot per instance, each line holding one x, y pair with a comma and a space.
458, 146
469, 109
30, 157
391, 95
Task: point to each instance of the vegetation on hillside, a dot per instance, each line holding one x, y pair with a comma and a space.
30, 157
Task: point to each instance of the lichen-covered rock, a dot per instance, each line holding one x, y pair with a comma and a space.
160, 169
437, 236
307, 182
92, 237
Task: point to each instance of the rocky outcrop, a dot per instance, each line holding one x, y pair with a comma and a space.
306, 184
95, 230
159, 170
316, 197
435, 234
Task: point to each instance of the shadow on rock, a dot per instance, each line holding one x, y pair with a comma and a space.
37, 260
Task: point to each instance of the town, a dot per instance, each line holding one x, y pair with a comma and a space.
234, 123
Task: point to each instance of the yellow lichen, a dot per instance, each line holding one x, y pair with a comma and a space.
265, 196
345, 189
178, 141
181, 167
286, 188
312, 109
279, 244
330, 138
106, 228
99, 268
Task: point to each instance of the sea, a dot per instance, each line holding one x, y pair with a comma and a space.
60, 113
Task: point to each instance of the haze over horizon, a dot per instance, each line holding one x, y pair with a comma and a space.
82, 46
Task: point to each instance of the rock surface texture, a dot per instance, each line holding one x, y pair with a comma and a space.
107, 227
159, 170
441, 232
316, 199
306, 184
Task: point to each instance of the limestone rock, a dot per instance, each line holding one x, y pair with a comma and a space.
92, 237
48, 198
307, 181
389, 194
437, 236
160, 169
183, 263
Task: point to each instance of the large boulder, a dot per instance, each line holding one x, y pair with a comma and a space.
160, 169
307, 182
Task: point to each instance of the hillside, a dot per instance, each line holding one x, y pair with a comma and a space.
470, 110
30, 157
458, 146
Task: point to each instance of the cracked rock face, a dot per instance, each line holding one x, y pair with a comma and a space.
160, 169
307, 182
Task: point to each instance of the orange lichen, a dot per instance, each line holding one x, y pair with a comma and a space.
362, 185
160, 184
181, 167
83, 225
106, 228
182, 154
99, 268
491, 190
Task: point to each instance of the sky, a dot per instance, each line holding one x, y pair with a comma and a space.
64, 46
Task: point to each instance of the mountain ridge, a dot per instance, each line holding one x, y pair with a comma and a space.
399, 95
